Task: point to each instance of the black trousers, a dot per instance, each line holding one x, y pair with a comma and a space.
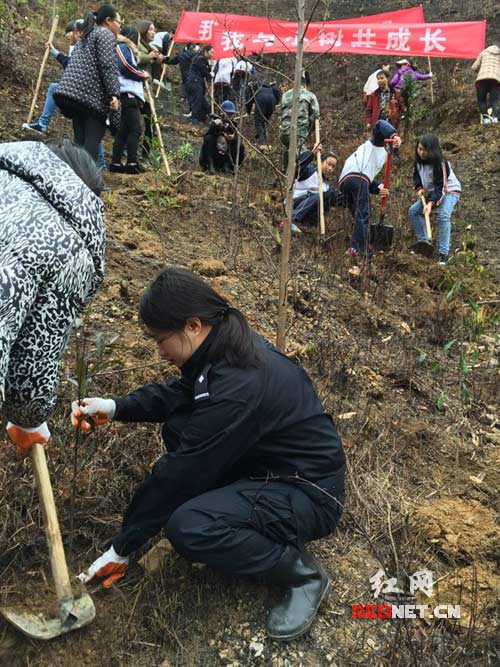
484, 88
198, 103
130, 130
264, 108
223, 92
88, 131
243, 528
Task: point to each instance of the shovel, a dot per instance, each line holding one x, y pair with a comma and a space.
381, 235
73, 613
426, 247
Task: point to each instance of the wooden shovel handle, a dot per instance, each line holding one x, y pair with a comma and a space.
320, 184
52, 531
154, 118
428, 229
42, 68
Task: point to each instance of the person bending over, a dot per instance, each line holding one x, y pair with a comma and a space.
251, 474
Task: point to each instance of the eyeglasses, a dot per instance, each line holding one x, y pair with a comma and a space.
117, 21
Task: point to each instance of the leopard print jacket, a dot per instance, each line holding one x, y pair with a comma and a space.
52, 241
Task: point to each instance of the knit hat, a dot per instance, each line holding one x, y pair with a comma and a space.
228, 107
382, 130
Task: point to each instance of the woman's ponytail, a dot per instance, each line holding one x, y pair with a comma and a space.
88, 24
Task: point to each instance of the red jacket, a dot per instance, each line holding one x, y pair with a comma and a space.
396, 108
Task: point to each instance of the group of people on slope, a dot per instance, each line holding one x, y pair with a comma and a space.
433, 178
102, 85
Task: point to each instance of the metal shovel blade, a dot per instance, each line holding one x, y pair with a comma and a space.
38, 626
381, 235
424, 248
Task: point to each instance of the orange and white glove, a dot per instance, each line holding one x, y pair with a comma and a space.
25, 438
99, 410
109, 567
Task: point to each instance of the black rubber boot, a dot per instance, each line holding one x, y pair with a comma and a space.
306, 586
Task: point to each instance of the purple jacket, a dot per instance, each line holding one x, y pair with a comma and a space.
398, 78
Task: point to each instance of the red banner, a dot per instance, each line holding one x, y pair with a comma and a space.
437, 40
198, 26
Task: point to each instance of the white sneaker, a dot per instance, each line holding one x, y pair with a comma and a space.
487, 120
494, 120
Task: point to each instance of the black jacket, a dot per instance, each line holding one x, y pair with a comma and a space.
260, 90
222, 424
200, 67
184, 60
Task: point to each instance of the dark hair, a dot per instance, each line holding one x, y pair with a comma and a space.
177, 295
70, 26
434, 154
325, 156
306, 78
90, 19
206, 48
78, 25
381, 71
190, 45
80, 161
130, 32
384, 63
143, 27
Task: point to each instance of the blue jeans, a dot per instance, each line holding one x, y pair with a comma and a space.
49, 107
101, 162
445, 209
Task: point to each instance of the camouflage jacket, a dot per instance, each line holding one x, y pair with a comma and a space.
308, 112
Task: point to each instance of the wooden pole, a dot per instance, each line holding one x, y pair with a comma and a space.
156, 124
431, 80
320, 186
212, 95
51, 524
290, 178
164, 68
42, 67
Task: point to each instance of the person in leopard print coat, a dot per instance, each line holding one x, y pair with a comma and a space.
52, 240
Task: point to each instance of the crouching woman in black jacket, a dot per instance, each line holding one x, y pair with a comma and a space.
254, 468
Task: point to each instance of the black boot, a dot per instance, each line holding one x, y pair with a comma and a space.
306, 584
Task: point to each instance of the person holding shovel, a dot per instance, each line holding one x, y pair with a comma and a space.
434, 178
357, 181
251, 473
51, 263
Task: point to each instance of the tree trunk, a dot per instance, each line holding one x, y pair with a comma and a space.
290, 179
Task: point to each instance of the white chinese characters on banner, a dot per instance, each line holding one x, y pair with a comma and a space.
206, 29
364, 38
398, 41
433, 40
232, 40
330, 39
263, 38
